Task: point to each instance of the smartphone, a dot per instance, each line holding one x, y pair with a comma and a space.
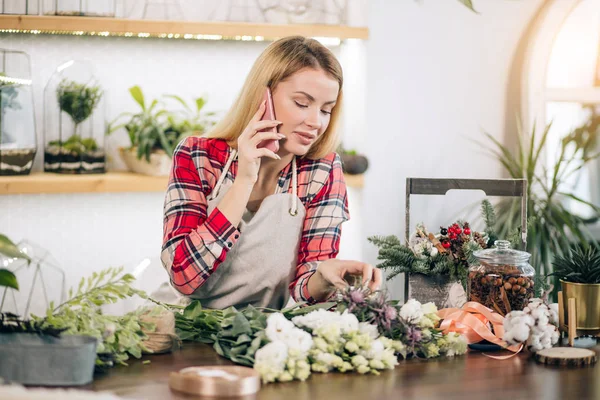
271, 144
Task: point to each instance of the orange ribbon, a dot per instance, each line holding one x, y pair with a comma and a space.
472, 321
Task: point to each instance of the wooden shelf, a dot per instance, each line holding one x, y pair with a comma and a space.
35, 24
97, 183
111, 182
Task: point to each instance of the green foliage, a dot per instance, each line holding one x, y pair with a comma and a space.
8, 96
553, 227
489, 218
398, 258
118, 336
76, 144
581, 266
155, 127
235, 334
77, 99
9, 249
11, 323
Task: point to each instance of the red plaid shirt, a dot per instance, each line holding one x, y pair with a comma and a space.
195, 244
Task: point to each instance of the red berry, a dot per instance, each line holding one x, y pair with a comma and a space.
455, 226
458, 231
467, 231
446, 245
452, 236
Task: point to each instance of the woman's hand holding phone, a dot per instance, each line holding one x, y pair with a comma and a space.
249, 152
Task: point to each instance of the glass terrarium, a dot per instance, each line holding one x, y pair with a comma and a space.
74, 121
81, 8
17, 121
502, 279
40, 282
20, 7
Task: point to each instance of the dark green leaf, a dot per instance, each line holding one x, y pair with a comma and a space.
8, 279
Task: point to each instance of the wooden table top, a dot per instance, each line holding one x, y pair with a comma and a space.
472, 376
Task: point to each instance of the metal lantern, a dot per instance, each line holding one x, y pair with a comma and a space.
18, 143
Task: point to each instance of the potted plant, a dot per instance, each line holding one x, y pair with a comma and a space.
76, 154
9, 249
352, 162
579, 274
553, 227
154, 132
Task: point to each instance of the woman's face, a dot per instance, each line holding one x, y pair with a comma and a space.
303, 103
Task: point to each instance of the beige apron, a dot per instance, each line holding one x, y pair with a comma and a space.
259, 267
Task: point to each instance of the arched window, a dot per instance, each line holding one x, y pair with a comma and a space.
561, 82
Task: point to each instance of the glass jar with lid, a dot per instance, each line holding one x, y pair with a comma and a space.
502, 279
18, 141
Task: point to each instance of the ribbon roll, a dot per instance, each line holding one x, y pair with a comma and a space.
473, 320
216, 381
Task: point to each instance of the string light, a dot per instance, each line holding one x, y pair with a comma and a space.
245, 38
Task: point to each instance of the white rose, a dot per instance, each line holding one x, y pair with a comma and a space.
273, 355
297, 339
429, 308
278, 327
369, 329
348, 322
411, 311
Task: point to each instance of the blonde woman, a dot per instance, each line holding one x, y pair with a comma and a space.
245, 225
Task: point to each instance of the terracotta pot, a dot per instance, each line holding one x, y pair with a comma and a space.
440, 290
354, 164
159, 165
587, 303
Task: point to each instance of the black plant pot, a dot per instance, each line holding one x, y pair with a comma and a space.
354, 164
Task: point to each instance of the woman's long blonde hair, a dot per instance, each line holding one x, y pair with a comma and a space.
278, 62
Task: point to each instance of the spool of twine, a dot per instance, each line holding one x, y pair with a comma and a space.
163, 338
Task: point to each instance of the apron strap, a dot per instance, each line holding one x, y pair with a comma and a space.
215, 191
294, 202
294, 207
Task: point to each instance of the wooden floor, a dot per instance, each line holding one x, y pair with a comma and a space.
473, 376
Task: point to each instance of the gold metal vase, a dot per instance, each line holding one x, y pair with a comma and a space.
587, 300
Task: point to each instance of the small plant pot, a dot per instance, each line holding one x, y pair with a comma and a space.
587, 304
440, 290
159, 165
16, 161
42, 360
59, 160
354, 164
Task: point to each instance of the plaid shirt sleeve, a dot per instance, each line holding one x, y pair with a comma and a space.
322, 227
194, 243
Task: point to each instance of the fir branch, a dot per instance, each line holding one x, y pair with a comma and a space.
488, 214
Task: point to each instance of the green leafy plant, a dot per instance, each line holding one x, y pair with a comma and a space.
582, 265
553, 226
155, 128
234, 334
118, 336
77, 100
421, 255
76, 144
188, 121
9, 249
11, 323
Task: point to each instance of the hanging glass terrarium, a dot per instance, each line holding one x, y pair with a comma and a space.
80, 8
17, 121
20, 7
74, 121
